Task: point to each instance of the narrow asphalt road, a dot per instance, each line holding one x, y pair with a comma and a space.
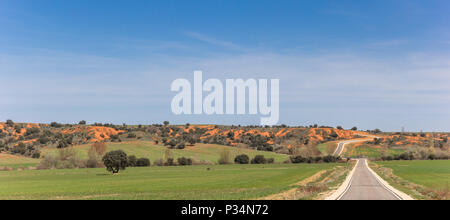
365, 186
341, 145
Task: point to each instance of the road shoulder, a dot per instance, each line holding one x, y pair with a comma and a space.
315, 187
344, 186
386, 185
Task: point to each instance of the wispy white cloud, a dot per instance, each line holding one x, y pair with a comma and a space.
213, 41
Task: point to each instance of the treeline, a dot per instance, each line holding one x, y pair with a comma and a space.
419, 154
115, 161
319, 159
403, 139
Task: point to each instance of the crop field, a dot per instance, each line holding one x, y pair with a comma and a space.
429, 173
190, 182
199, 152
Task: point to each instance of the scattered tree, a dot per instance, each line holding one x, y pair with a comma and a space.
115, 161
55, 125
10, 123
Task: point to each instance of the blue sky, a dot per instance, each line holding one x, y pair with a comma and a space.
378, 64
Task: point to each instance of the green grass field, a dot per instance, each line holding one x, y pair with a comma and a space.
191, 182
371, 152
17, 161
433, 174
327, 148
199, 152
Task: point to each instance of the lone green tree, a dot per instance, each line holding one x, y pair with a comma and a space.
115, 161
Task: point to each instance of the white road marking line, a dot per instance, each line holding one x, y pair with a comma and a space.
349, 184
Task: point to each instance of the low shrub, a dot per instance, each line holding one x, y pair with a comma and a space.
169, 162
201, 162
48, 162
132, 160
242, 159
259, 159
143, 162
183, 161
159, 162
181, 145
19, 149
92, 162
65, 159
36, 155
131, 135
